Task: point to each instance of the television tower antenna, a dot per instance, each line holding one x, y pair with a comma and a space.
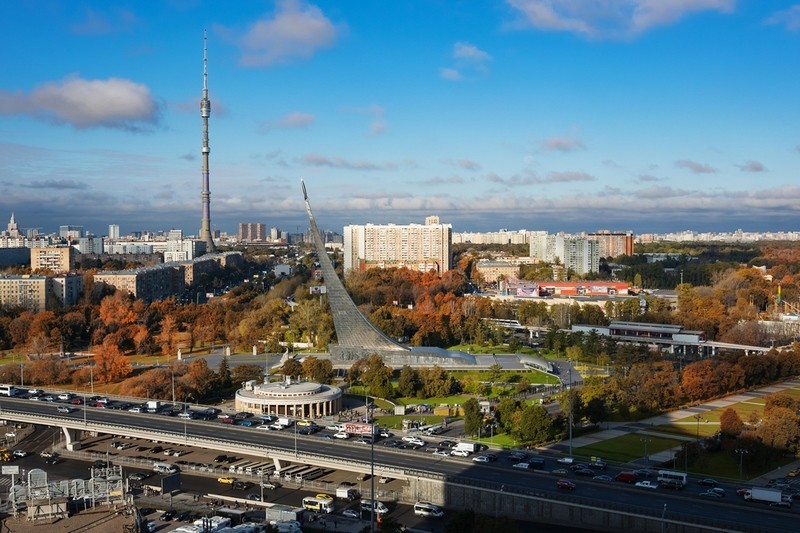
205, 112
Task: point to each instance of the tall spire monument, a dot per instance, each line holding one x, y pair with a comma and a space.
205, 112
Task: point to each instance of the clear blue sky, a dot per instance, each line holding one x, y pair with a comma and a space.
648, 115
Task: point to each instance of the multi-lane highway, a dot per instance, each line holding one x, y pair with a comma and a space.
729, 512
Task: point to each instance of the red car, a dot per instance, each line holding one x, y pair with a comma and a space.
565, 484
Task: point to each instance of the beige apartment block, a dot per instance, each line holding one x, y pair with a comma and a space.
55, 259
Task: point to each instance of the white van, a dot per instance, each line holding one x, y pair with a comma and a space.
164, 468
428, 510
380, 508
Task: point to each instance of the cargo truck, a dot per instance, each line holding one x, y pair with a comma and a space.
761, 494
470, 447
347, 493
153, 406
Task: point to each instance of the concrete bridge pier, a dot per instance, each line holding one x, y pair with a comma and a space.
73, 439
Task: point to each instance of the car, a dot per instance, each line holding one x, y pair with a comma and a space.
166, 516
460, 453
517, 456
220, 458
386, 434
384, 479
271, 485
226, 480
65, 396
708, 482
156, 449
414, 440
559, 471
783, 505
442, 453
794, 472
253, 496
341, 435
447, 443
52, 460
644, 472
603, 477
646, 484
492, 457
63, 409
480, 459
351, 513
76, 401
565, 460
578, 466
742, 491
19, 453
241, 485
142, 448
169, 451
585, 472
598, 465
45, 454
49, 398
709, 494
324, 497
35, 392
522, 466
565, 484
718, 490
138, 476
185, 516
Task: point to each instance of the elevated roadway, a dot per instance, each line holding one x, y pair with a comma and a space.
455, 483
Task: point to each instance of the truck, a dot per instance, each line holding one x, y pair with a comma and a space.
284, 421
347, 493
761, 494
153, 406
360, 429
470, 447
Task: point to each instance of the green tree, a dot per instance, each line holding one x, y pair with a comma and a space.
473, 418
408, 384
224, 374
535, 425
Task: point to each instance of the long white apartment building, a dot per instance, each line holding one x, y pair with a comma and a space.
422, 247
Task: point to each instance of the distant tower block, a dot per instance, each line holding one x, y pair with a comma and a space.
205, 112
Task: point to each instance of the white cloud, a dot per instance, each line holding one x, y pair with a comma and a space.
752, 166
562, 177
450, 74
112, 103
610, 18
694, 166
564, 144
469, 59
339, 162
296, 31
790, 18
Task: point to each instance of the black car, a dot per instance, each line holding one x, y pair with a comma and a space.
708, 482
241, 485
166, 516
184, 517
587, 472
101, 464
156, 449
220, 458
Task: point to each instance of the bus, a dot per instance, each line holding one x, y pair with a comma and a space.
310, 503
8, 390
672, 478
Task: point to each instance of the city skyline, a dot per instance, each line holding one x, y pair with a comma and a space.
559, 116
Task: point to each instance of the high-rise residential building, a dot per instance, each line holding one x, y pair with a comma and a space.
415, 246
56, 259
580, 255
613, 244
28, 292
90, 245
113, 232
70, 233
252, 232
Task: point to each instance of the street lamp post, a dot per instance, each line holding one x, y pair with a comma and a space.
741, 452
569, 388
698, 417
645, 441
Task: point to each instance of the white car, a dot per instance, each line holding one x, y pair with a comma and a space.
460, 453
522, 466
646, 484
351, 513
414, 440
341, 435
480, 459
65, 396
35, 392
443, 453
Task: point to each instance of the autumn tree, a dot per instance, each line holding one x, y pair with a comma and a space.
245, 373
318, 370
292, 368
47, 371
730, 423
110, 363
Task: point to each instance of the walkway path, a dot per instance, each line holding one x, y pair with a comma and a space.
645, 427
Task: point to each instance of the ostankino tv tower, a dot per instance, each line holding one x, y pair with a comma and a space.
205, 112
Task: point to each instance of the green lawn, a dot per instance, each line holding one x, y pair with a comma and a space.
626, 448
